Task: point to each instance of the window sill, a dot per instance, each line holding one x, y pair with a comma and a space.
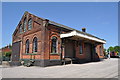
34, 52
29, 29
81, 54
21, 33
55, 53
30, 54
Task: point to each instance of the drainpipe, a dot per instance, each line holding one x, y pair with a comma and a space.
43, 39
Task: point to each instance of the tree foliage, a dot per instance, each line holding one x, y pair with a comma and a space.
8, 54
111, 49
114, 49
117, 49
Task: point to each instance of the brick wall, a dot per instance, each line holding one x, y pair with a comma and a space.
44, 34
100, 53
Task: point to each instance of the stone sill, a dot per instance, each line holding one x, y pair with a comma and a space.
55, 53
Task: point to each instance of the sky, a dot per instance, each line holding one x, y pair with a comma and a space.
99, 18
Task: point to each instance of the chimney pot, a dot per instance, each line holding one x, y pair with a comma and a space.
83, 29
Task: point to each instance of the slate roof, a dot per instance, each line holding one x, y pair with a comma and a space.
66, 27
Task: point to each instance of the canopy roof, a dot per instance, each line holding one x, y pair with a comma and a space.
76, 33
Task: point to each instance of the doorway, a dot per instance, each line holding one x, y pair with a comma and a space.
69, 49
16, 51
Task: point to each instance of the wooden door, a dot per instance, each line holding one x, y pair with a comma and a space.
88, 52
69, 49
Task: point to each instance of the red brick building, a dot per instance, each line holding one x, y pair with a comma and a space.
52, 42
5, 53
6, 49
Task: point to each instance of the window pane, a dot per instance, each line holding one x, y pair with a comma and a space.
29, 24
24, 25
27, 46
54, 45
81, 49
35, 44
20, 28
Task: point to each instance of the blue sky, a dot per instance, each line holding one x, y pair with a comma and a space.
99, 18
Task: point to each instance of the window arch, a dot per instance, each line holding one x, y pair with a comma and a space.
24, 25
27, 46
29, 24
35, 44
54, 45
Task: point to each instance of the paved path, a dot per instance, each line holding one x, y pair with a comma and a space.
104, 69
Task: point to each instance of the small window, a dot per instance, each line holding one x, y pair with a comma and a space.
27, 46
24, 25
20, 28
101, 51
35, 45
81, 48
54, 45
30, 24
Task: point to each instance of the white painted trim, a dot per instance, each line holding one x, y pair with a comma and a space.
74, 33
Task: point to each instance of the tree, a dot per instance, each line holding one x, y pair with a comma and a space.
105, 50
111, 49
117, 49
10, 46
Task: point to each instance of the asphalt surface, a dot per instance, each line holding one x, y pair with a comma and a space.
103, 69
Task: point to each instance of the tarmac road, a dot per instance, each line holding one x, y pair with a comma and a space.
103, 69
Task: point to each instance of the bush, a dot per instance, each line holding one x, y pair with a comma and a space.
8, 54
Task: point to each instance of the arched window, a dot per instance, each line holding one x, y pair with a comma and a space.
24, 25
35, 44
30, 24
20, 28
27, 46
54, 45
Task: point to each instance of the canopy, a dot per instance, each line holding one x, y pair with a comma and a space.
75, 33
